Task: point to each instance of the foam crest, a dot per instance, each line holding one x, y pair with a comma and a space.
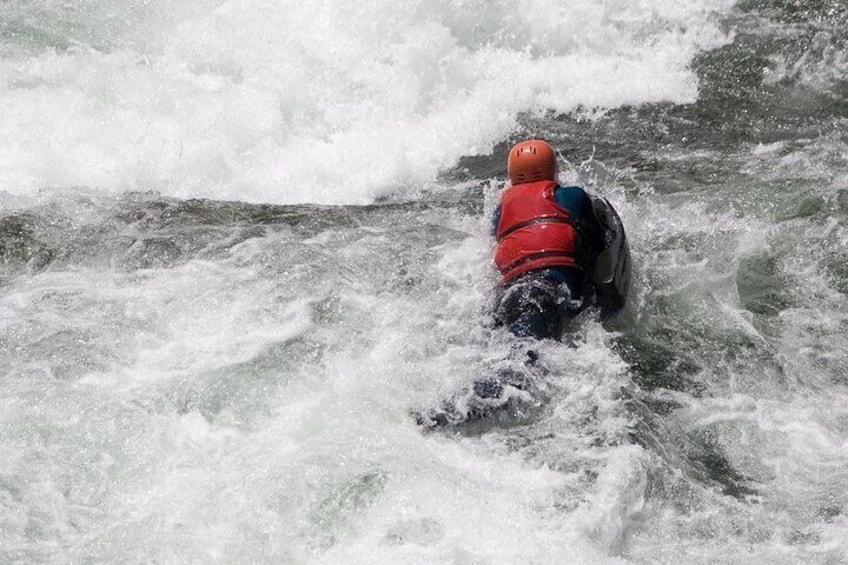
325, 102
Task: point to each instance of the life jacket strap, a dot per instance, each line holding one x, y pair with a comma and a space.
532, 222
536, 256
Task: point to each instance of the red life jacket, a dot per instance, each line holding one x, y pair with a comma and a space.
534, 232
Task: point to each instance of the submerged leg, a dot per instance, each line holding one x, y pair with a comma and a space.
535, 306
509, 393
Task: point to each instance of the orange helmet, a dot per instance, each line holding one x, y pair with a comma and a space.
530, 161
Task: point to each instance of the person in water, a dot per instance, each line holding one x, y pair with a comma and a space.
559, 250
548, 238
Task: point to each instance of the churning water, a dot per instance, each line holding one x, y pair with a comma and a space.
242, 241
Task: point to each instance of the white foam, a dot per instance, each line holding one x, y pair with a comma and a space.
320, 102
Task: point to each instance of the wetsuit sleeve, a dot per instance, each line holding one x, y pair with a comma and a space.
496, 217
578, 202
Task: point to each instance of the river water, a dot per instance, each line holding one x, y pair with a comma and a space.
242, 242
